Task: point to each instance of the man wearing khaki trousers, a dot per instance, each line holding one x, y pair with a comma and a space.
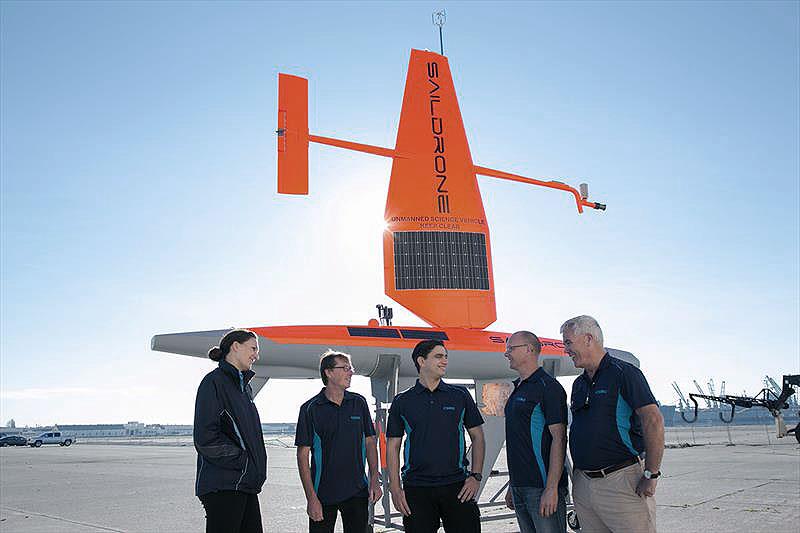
616, 427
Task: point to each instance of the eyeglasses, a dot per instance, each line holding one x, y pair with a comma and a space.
509, 348
347, 368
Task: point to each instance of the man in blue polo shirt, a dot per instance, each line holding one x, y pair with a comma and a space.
335, 428
615, 421
437, 481
536, 440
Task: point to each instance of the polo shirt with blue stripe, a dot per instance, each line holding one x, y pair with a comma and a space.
605, 429
433, 423
536, 403
336, 435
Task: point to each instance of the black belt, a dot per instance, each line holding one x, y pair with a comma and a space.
603, 472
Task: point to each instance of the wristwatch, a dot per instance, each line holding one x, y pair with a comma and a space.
477, 475
651, 475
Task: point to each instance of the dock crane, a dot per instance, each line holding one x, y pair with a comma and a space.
682, 403
701, 394
711, 391
770, 383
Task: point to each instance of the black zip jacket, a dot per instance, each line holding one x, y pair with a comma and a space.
227, 433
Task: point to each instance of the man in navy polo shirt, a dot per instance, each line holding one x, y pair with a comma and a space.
335, 428
615, 421
437, 483
536, 440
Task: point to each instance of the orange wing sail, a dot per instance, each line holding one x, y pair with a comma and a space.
436, 250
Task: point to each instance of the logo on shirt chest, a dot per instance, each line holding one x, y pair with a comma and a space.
355, 417
448, 408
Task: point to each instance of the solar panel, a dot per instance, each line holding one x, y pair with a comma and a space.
373, 332
440, 260
424, 335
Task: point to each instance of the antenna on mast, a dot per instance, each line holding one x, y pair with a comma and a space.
439, 18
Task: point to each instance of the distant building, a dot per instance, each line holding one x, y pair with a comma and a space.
131, 429
279, 428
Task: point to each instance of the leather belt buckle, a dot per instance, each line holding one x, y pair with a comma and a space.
595, 473
603, 472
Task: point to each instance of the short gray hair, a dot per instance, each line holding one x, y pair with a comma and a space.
582, 325
529, 338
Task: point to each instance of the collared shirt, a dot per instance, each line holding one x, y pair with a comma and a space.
605, 429
537, 402
433, 423
337, 437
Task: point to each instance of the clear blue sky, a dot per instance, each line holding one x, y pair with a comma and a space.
138, 184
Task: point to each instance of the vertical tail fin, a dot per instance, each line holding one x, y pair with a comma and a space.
437, 255
292, 134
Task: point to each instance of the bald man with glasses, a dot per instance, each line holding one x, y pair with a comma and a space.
536, 440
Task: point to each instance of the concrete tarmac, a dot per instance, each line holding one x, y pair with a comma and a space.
107, 487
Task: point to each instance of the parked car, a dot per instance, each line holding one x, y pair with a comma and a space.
13, 440
53, 437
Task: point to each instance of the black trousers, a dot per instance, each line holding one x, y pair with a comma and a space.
430, 504
231, 511
355, 516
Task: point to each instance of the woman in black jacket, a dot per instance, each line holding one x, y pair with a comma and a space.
231, 458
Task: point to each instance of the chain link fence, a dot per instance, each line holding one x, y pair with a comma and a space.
727, 434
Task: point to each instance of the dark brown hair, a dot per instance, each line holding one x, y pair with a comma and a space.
218, 353
328, 360
423, 349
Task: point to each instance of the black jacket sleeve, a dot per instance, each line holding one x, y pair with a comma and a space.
209, 440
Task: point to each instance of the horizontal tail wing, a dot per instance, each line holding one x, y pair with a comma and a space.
292, 134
